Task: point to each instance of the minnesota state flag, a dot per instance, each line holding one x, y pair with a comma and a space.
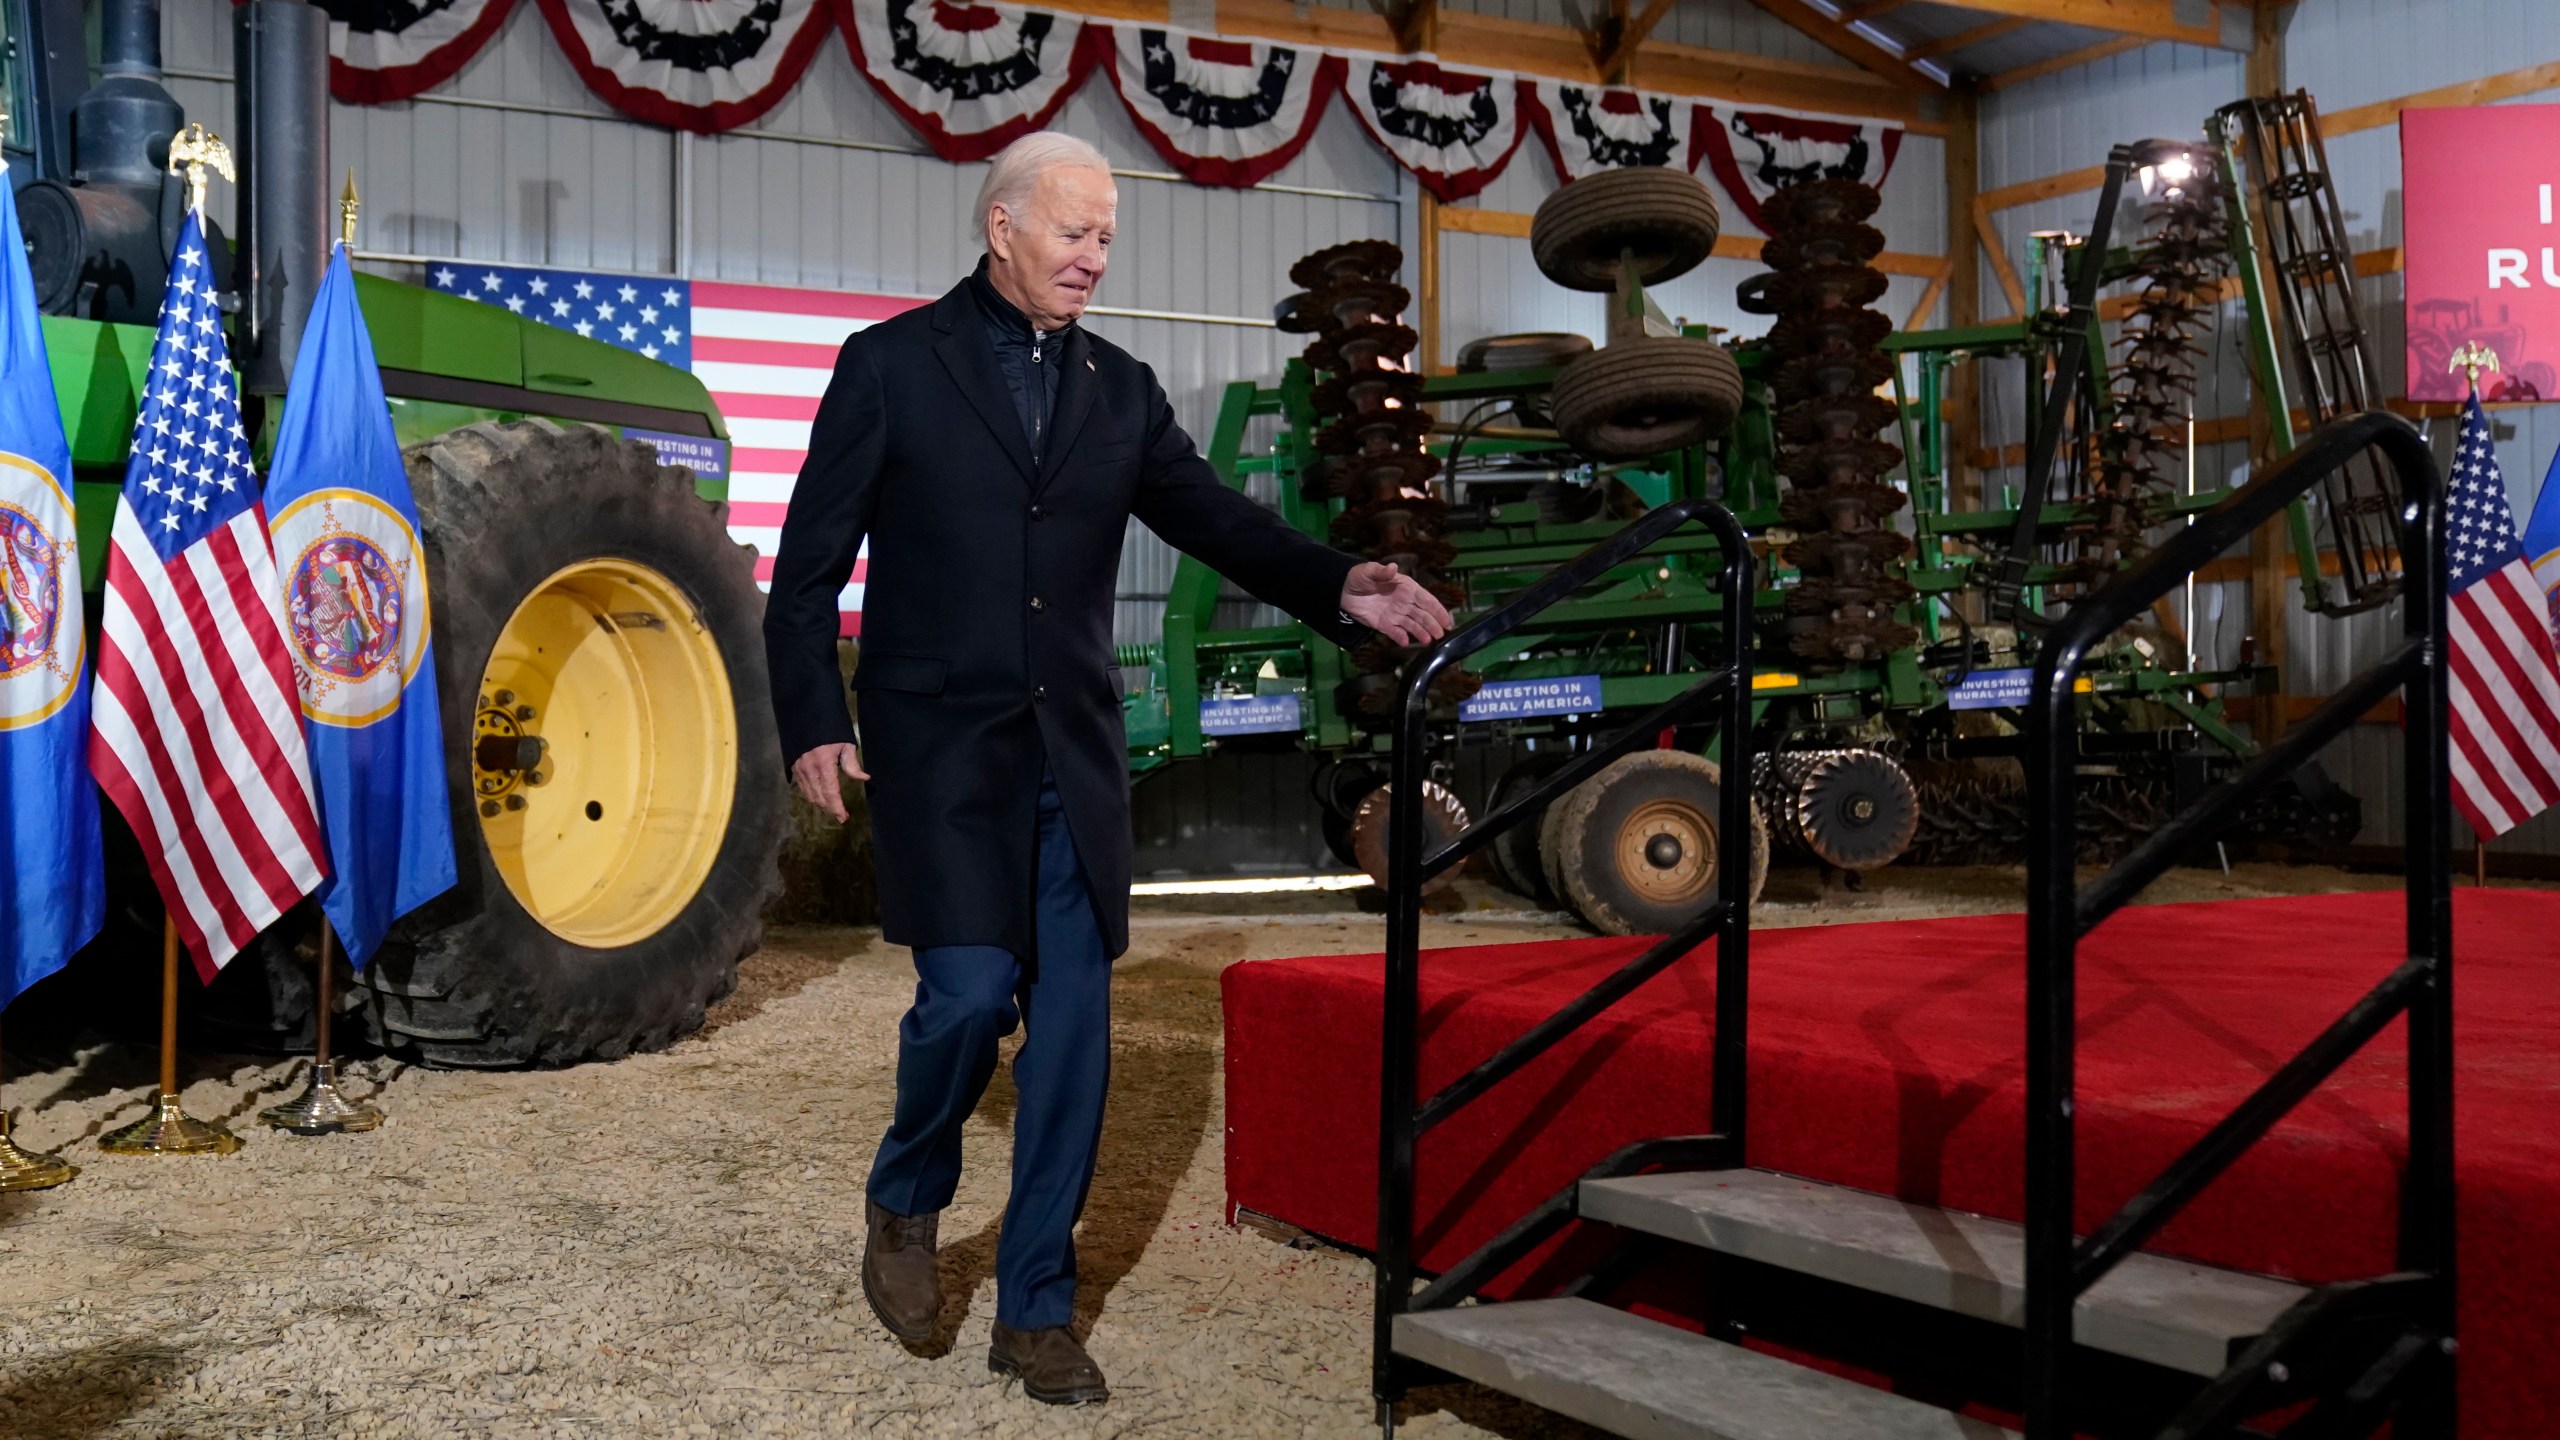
346, 542
2542, 543
52, 871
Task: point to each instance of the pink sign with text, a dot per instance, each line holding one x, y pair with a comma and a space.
2481, 230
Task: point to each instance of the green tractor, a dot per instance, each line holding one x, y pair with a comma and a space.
615, 778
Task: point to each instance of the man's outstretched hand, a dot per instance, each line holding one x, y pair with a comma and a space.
1394, 604
815, 776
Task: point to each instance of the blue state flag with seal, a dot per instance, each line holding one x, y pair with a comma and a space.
52, 869
2542, 543
356, 612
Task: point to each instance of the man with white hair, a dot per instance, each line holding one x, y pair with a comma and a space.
993, 451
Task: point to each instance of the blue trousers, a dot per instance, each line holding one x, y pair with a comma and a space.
968, 997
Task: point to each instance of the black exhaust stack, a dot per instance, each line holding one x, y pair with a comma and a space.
281, 143
99, 245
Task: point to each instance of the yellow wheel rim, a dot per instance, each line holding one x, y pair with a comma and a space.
1666, 852
605, 751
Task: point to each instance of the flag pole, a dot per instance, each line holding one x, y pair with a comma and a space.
320, 1109
29, 1169
2471, 359
168, 1129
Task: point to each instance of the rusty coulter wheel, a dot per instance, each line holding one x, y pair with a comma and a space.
1634, 848
1442, 818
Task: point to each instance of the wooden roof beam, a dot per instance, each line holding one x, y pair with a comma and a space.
1837, 34
1614, 39
2065, 61
2151, 19
1493, 42
1949, 44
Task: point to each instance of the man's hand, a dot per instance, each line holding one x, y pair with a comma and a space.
1393, 604
815, 776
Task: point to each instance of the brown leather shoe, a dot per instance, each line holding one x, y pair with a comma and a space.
900, 1276
1050, 1363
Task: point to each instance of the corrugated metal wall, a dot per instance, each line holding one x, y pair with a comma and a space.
516, 160
2347, 53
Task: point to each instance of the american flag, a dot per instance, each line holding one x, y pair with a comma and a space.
196, 727
763, 351
644, 314
2506, 679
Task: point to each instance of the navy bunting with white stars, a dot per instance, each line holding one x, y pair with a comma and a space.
189, 473
647, 315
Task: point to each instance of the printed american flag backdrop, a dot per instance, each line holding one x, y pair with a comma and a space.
763, 351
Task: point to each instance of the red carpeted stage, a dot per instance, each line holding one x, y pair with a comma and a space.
1890, 1056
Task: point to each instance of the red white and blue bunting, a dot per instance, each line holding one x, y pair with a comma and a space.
1221, 112
386, 50
1757, 153
699, 65
1591, 128
970, 78
1454, 129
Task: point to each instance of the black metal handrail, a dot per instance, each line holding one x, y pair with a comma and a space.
2060, 911
1401, 1120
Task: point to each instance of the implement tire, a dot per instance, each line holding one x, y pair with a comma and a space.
1634, 847
588, 600
1666, 220
1646, 396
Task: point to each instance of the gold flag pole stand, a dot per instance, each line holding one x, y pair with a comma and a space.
169, 1130
2471, 359
320, 1109
26, 1169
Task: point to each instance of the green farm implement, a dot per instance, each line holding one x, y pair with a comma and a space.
1900, 598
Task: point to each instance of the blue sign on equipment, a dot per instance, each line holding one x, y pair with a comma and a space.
1248, 714
1992, 690
1520, 699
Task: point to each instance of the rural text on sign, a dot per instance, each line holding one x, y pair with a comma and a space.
701, 454
1520, 699
2481, 244
1248, 714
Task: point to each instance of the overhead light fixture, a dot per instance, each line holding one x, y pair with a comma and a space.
2167, 167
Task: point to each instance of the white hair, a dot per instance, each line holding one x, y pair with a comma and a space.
1019, 166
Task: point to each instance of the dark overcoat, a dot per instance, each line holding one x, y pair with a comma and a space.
987, 607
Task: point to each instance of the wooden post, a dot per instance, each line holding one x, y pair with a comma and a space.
2269, 610
1427, 296
1964, 290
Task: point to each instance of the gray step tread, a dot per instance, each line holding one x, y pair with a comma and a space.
2166, 1311
1647, 1381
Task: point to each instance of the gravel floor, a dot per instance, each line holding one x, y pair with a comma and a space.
669, 1245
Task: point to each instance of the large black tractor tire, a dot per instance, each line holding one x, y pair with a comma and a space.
551, 520
1665, 220
1634, 847
1645, 396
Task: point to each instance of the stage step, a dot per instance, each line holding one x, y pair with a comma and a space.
2169, 1312
1647, 1381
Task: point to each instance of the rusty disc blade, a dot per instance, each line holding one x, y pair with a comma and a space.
1351, 260
1360, 346
1819, 202
1834, 417
1841, 242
